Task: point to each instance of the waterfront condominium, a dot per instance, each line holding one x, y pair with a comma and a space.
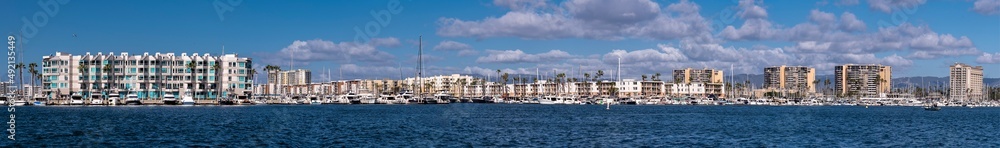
698, 82
149, 76
697, 76
794, 78
291, 77
854, 80
966, 82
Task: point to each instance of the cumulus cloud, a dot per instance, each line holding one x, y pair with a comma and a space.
664, 54
518, 56
826, 33
322, 50
849, 22
847, 2
989, 58
521, 5
750, 10
600, 19
386, 42
987, 7
888, 6
462, 48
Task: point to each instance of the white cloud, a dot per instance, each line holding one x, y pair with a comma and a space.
518, 56
750, 10
605, 20
322, 50
987, 7
521, 5
989, 58
849, 22
888, 6
664, 54
847, 2
462, 48
754, 29
386, 42
618, 12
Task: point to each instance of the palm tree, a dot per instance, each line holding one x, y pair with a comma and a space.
34, 72
107, 69
826, 83
587, 76
252, 77
218, 80
20, 69
644, 77
656, 77
504, 86
191, 66
84, 70
599, 74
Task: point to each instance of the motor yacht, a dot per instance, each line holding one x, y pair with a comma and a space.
113, 99
40, 101
170, 99
76, 99
132, 99
187, 100
442, 97
314, 100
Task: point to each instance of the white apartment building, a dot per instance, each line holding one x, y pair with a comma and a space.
697, 89
149, 76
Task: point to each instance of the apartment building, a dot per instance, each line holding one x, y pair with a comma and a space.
863, 80
697, 76
966, 82
790, 78
150, 76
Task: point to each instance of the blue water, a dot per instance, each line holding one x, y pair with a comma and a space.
503, 125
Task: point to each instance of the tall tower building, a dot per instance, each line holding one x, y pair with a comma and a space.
863, 80
790, 78
697, 76
966, 82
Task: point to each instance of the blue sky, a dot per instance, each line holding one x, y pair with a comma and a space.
917, 37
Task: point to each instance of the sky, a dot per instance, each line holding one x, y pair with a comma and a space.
381, 39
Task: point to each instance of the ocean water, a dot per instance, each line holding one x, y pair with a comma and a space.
503, 125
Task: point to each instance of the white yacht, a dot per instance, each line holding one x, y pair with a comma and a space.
113, 99
187, 100
314, 100
170, 99
20, 102
387, 98
76, 99
350, 98
547, 100
40, 101
367, 98
132, 99
96, 101
405, 97
443, 97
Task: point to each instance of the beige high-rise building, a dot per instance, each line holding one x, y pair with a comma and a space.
291, 77
863, 80
966, 82
697, 76
790, 78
